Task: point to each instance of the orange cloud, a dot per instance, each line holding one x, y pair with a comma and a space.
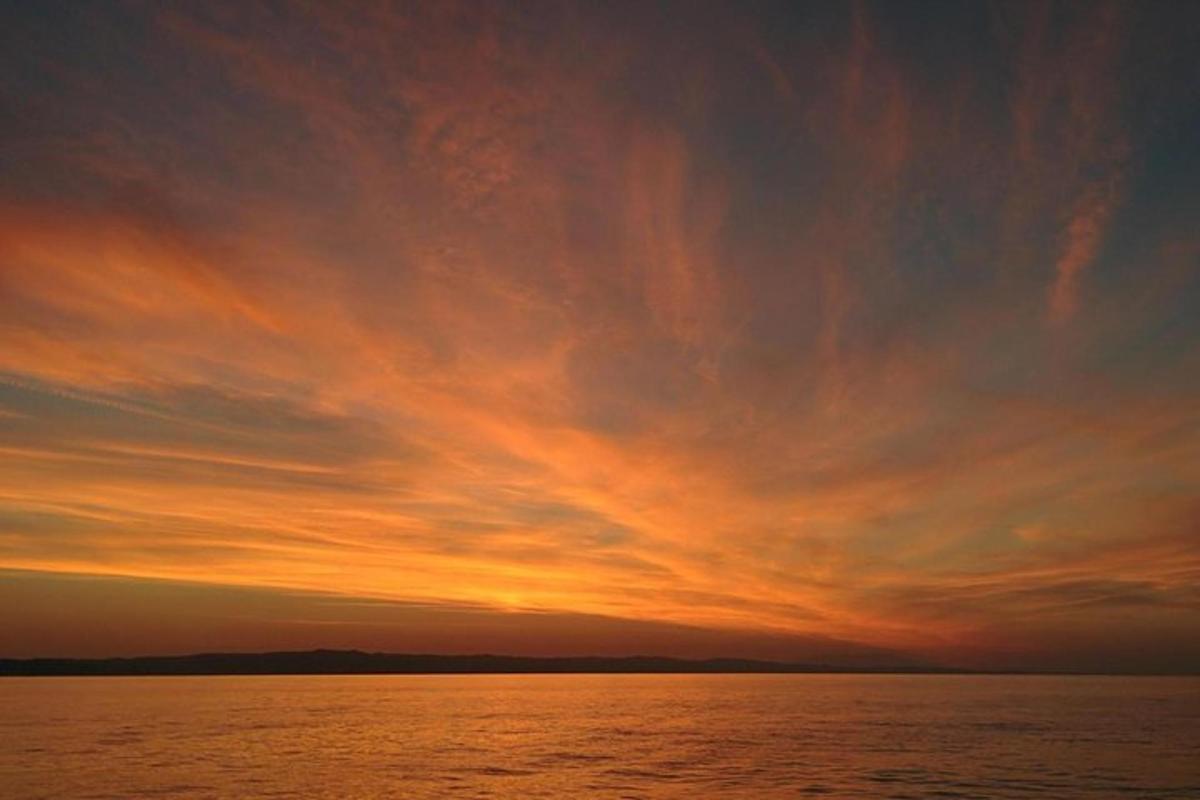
737, 328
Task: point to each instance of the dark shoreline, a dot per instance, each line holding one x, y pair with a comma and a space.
356, 662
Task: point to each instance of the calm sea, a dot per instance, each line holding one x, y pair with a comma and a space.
615, 736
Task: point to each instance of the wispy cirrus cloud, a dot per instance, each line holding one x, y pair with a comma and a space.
738, 326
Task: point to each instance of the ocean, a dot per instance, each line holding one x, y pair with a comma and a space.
601, 736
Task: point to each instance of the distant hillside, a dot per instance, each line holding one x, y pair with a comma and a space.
355, 662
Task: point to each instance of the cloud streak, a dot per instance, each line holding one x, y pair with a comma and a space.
739, 325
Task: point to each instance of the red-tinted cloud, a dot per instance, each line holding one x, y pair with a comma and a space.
735, 326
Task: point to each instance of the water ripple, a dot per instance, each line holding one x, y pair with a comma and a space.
617, 736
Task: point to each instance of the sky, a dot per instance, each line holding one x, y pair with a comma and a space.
844, 332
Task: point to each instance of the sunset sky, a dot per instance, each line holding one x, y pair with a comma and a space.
864, 333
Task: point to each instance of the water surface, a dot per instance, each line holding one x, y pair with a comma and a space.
610, 736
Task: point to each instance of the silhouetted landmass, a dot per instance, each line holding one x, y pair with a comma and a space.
355, 662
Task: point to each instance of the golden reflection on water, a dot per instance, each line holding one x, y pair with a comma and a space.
612, 736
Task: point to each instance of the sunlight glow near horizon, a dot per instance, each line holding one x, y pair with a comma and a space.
819, 322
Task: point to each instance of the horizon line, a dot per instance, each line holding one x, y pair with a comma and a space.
306, 662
